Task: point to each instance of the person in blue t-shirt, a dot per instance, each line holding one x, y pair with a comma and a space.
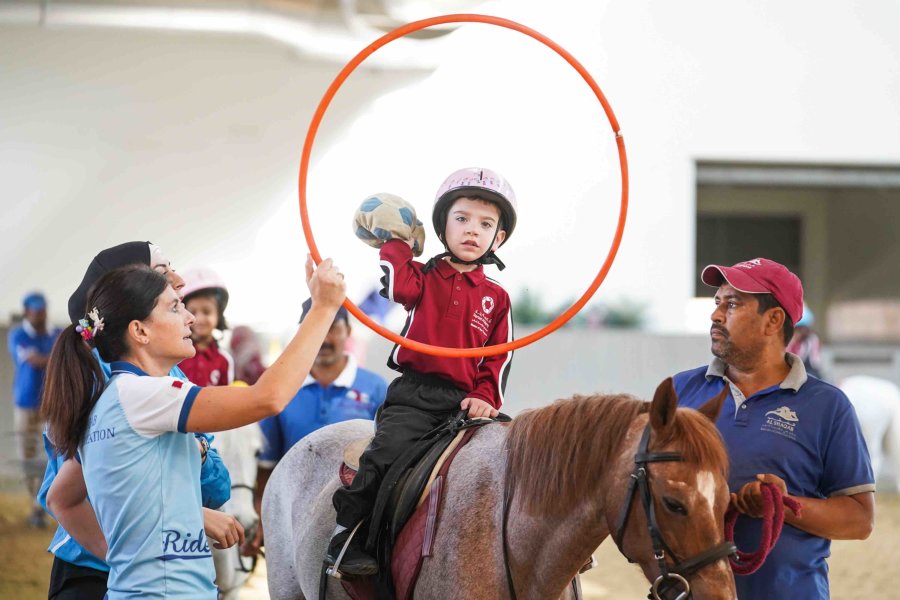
337, 389
29, 345
780, 426
76, 573
132, 439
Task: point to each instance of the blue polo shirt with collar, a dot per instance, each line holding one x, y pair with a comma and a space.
806, 432
355, 394
28, 381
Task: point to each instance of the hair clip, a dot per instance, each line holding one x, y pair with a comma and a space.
89, 330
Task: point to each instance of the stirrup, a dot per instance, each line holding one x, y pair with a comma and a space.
335, 569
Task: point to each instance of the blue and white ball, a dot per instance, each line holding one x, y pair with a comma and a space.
382, 217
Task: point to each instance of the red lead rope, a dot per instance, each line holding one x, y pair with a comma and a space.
773, 519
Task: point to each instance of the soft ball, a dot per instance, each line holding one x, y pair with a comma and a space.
382, 217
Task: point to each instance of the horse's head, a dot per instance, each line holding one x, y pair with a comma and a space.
667, 499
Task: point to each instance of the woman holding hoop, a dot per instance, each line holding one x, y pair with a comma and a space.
78, 573
140, 464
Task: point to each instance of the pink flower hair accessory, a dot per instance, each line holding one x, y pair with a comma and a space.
90, 329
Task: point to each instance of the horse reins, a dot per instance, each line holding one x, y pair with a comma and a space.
254, 559
670, 578
773, 519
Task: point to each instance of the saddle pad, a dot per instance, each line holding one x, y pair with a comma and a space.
354, 450
416, 540
451, 449
359, 589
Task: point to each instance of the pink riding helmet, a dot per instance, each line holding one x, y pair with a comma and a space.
202, 279
475, 182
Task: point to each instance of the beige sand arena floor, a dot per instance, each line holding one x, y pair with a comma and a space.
859, 570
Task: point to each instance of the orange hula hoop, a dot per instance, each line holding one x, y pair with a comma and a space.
623, 164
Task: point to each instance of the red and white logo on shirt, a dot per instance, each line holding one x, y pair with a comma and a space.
487, 304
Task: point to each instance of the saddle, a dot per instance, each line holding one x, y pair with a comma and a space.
404, 520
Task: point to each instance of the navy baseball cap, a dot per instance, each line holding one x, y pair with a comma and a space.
129, 253
342, 314
34, 301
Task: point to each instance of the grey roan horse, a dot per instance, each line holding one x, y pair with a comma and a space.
567, 468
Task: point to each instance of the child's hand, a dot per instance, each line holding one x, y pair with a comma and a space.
382, 217
478, 408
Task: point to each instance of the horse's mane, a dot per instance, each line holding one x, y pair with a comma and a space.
557, 454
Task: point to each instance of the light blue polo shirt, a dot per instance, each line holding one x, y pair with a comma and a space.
215, 488
355, 394
142, 472
804, 431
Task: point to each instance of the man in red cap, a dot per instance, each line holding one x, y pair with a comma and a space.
782, 427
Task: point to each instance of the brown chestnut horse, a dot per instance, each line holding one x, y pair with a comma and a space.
527, 503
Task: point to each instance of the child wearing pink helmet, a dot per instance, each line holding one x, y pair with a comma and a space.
450, 303
205, 296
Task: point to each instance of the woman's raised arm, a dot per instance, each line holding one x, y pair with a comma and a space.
221, 408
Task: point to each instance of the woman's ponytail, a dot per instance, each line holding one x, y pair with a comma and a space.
73, 385
74, 379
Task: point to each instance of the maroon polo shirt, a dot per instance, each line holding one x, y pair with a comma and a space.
210, 366
451, 309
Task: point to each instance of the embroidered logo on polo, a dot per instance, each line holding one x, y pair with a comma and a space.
782, 421
480, 319
358, 396
184, 546
784, 413
749, 264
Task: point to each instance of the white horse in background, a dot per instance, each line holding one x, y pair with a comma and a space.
238, 449
877, 404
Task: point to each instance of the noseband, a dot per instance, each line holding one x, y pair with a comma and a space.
670, 579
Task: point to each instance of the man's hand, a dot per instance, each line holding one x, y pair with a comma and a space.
37, 360
222, 528
478, 408
252, 546
749, 500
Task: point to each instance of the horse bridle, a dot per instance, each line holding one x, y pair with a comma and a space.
670, 578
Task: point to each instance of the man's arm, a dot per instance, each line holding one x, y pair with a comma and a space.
38, 360
272, 451
253, 546
836, 518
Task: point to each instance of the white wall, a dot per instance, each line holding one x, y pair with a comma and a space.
584, 361
192, 140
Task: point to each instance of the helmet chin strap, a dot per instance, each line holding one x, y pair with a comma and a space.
488, 258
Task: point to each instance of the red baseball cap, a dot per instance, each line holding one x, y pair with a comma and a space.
761, 276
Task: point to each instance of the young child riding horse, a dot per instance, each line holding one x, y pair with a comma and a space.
451, 303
